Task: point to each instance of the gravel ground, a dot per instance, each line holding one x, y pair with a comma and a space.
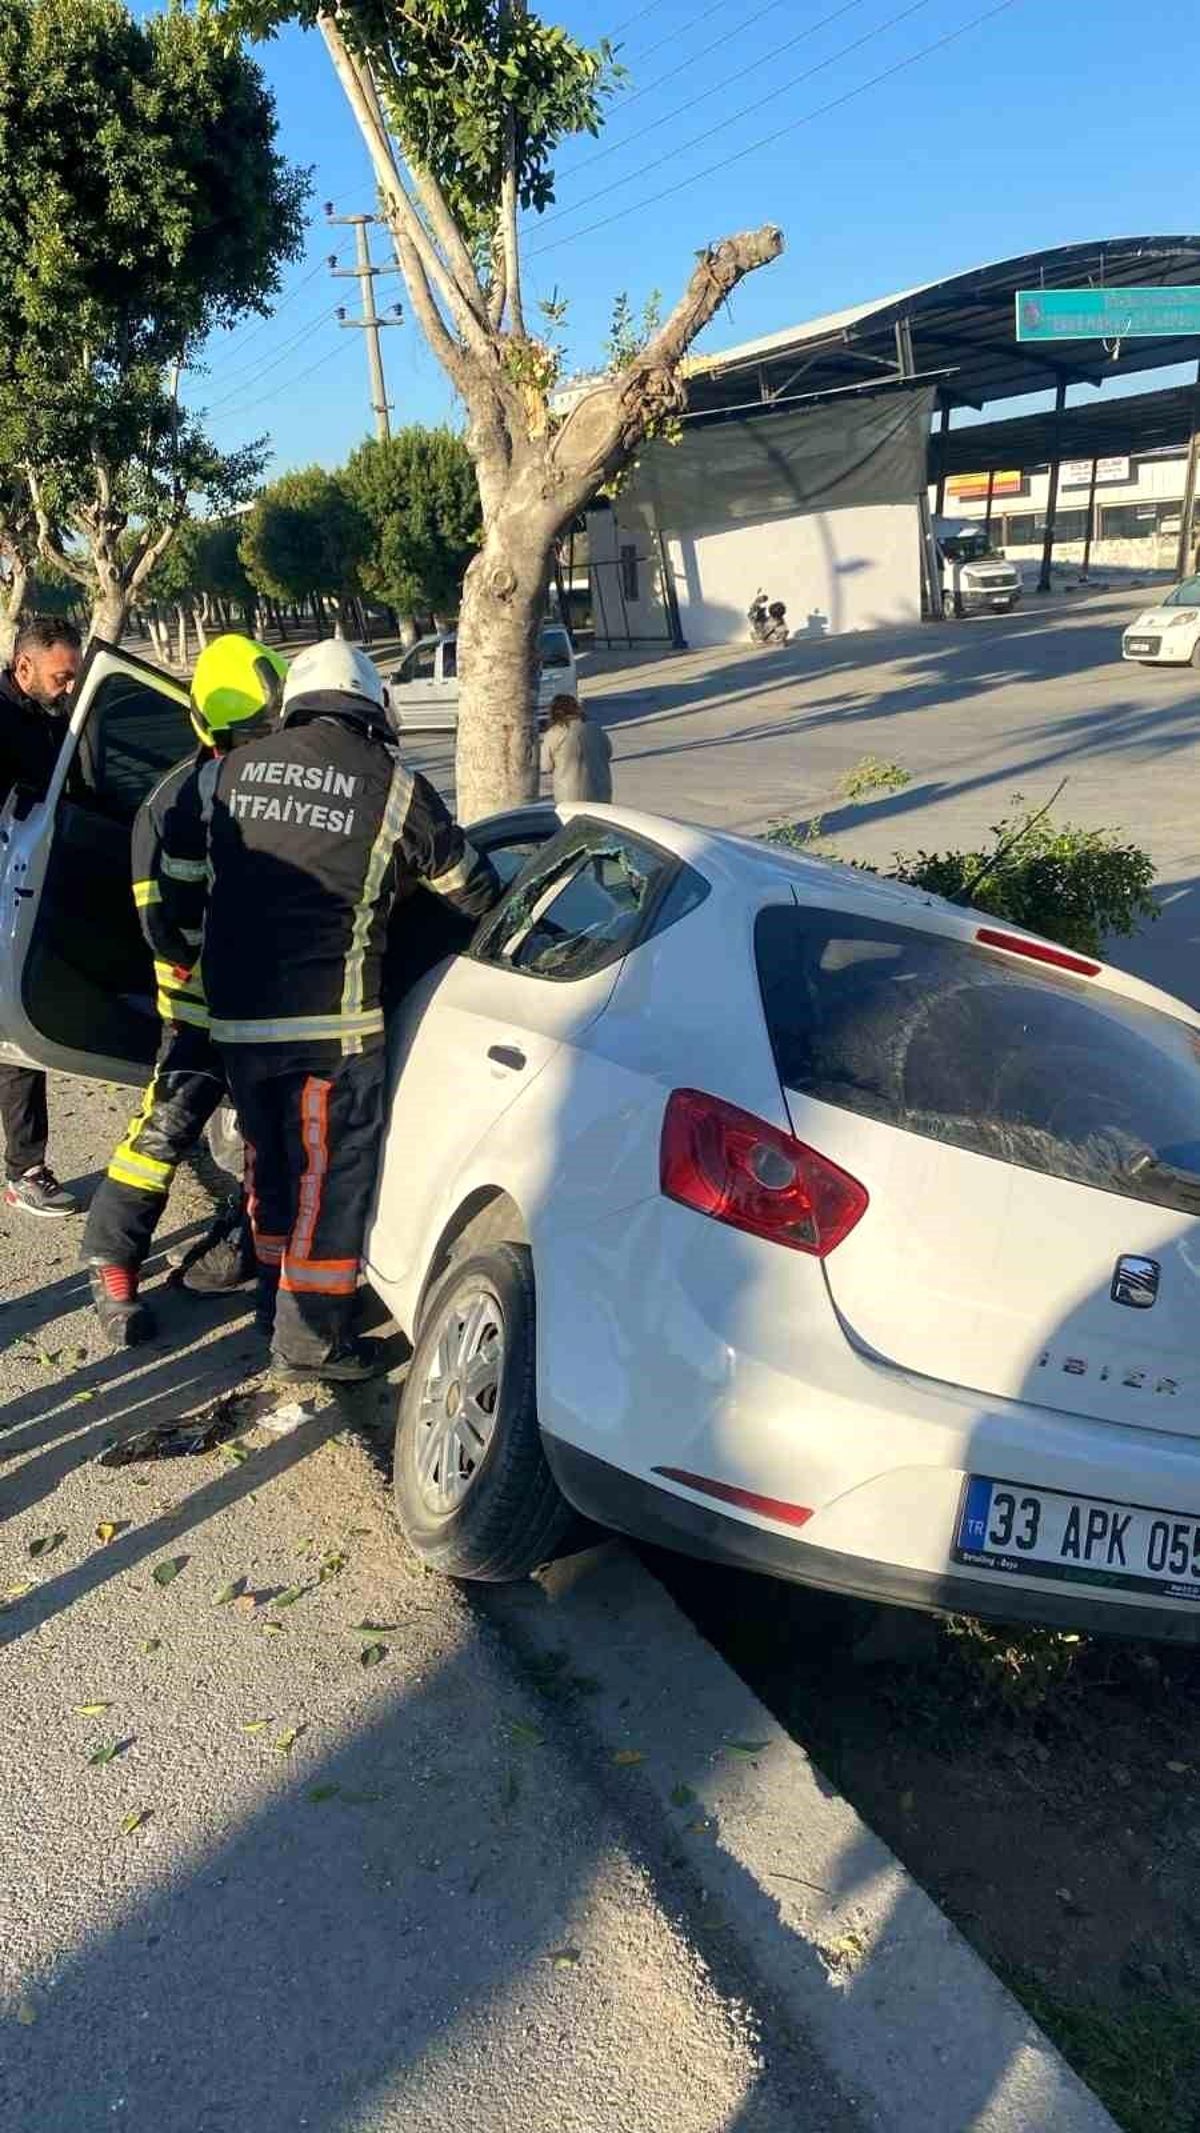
360, 1896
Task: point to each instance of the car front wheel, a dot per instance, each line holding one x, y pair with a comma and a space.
474, 1495
1195, 658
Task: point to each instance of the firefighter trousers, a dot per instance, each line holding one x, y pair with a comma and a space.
312, 1133
187, 1085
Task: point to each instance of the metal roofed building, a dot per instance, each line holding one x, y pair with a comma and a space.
794, 473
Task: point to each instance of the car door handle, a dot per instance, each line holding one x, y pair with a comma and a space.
507, 1055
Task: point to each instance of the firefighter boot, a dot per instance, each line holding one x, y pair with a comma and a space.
124, 1318
264, 1307
223, 1259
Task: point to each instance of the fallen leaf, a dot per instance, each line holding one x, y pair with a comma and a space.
166, 1572
1180, 1769
520, 1730
682, 1796
78, 1397
331, 1565
135, 1820
152, 1644
104, 1754
372, 1654
236, 1454
565, 1958
107, 1530
228, 1593
15, 1593
626, 1757
908, 1801
320, 1793
91, 1710
26, 2013
746, 1747
510, 1789
255, 1725
272, 1629
287, 1741
43, 1543
373, 1629
290, 1597
246, 1603
357, 1532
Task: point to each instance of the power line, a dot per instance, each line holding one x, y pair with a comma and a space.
253, 364
639, 15
669, 155
282, 356
260, 325
719, 88
715, 7
768, 140
300, 378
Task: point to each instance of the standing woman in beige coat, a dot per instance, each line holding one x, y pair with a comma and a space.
576, 755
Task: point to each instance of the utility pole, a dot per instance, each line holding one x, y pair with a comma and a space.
364, 272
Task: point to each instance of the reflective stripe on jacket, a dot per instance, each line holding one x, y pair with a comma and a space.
313, 831
169, 854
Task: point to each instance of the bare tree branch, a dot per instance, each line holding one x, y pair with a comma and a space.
50, 547
449, 352
600, 429
398, 207
509, 247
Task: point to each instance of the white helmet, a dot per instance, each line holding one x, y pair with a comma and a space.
335, 665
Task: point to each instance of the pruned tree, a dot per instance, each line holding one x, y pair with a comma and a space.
143, 203
18, 555
305, 539
462, 104
419, 496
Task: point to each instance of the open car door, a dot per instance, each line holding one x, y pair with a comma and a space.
76, 977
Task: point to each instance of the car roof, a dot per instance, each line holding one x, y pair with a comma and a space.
756, 867
547, 629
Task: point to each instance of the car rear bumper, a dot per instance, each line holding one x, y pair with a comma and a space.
982, 603
646, 1512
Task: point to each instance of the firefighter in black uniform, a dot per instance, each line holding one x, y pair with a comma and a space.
314, 833
236, 693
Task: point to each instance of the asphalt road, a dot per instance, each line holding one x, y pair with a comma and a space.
417, 1911
363, 1897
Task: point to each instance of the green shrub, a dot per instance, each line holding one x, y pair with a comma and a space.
1077, 886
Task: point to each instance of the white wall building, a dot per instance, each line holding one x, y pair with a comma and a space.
1138, 504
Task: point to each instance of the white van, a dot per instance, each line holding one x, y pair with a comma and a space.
424, 687
976, 578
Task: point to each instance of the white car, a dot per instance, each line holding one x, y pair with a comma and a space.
741, 1202
1169, 633
424, 687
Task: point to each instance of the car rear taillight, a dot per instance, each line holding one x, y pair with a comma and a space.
733, 1167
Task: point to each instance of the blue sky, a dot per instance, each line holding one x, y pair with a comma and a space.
1053, 120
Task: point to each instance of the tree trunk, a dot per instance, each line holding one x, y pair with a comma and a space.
504, 599
201, 621
181, 636
12, 600
110, 612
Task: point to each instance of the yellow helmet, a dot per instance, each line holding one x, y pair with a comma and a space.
235, 681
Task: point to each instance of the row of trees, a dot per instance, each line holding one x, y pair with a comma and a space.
143, 204
396, 528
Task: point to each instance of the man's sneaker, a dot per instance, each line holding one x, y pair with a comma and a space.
121, 1313
351, 1364
39, 1193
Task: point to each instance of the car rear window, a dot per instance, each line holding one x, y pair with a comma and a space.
555, 649
941, 1038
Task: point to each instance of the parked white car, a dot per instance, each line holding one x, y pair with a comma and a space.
1167, 634
756, 1206
424, 687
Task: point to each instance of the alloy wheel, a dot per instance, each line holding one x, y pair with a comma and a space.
459, 1398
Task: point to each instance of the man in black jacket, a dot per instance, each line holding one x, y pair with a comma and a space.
33, 691
314, 832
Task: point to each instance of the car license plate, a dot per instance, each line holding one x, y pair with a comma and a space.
1137, 644
1004, 1526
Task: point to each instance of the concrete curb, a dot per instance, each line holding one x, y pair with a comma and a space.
916, 2030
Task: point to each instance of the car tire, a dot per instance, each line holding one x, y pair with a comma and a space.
225, 1144
484, 1507
949, 607
1195, 658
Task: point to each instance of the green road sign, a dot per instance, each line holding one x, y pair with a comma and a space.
1106, 314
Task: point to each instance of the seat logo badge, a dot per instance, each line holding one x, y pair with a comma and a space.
1135, 1282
